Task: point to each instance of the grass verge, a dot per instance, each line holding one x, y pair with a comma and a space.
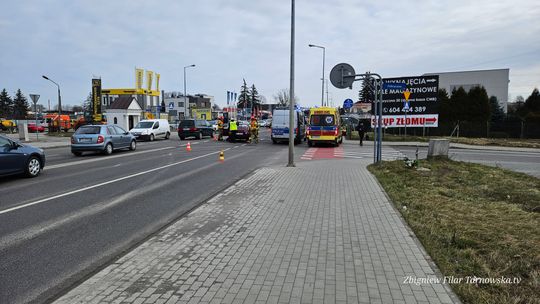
473, 220
501, 142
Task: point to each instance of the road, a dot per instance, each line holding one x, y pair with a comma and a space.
526, 162
83, 212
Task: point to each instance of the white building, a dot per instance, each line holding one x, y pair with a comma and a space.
175, 104
494, 81
125, 112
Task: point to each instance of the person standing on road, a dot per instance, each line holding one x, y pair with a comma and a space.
233, 128
361, 132
220, 128
254, 130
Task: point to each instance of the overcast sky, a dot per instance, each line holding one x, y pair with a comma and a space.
70, 41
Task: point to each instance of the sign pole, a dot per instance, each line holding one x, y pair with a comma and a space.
35, 99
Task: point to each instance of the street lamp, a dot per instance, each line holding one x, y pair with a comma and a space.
59, 97
185, 96
322, 79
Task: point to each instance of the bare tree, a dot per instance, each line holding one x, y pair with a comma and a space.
282, 97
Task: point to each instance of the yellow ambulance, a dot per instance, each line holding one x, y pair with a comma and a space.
324, 126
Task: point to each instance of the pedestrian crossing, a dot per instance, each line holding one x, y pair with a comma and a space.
388, 154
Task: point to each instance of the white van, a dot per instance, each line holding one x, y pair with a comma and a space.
280, 126
150, 129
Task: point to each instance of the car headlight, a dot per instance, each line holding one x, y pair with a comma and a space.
144, 132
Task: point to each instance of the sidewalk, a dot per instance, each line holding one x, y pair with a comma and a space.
323, 232
452, 145
44, 141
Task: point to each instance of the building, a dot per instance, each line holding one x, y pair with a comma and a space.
148, 100
494, 81
175, 104
200, 106
124, 112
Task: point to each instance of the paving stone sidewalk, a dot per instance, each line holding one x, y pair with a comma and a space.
323, 232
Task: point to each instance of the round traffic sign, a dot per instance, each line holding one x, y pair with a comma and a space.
342, 76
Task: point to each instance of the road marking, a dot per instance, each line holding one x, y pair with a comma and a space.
79, 162
117, 165
105, 183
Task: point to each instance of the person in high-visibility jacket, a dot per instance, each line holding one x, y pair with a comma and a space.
233, 128
254, 130
220, 128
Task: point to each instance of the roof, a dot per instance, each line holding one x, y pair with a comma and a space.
122, 103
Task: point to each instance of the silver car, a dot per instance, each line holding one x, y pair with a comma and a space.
101, 138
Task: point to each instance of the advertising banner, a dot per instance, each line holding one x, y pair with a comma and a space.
414, 97
96, 99
157, 82
149, 76
139, 75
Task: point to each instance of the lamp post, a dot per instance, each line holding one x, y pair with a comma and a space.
59, 102
291, 93
185, 96
322, 78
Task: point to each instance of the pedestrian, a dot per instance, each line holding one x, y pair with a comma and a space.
233, 128
361, 132
220, 128
254, 130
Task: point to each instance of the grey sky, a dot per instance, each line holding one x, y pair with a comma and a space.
70, 41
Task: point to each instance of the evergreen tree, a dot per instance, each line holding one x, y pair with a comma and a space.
532, 103
244, 96
6, 104
254, 97
366, 93
459, 102
446, 110
497, 114
478, 105
20, 106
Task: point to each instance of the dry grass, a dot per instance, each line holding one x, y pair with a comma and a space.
473, 220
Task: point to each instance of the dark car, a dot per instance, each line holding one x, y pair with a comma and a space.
194, 128
101, 138
243, 130
16, 158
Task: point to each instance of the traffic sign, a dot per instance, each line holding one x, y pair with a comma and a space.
406, 106
171, 105
342, 76
407, 94
347, 104
394, 86
34, 97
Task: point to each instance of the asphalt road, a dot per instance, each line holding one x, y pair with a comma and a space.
84, 212
525, 162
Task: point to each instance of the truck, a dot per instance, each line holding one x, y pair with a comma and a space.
57, 122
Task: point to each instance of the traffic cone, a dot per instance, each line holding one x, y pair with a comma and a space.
221, 156
188, 147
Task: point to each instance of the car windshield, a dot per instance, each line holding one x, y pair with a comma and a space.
186, 124
144, 125
322, 120
89, 130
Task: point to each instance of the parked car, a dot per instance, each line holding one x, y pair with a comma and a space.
101, 138
151, 129
194, 128
243, 130
32, 128
17, 158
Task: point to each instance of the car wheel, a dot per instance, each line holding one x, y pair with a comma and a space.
310, 143
33, 168
77, 153
108, 149
133, 145
274, 141
182, 137
168, 135
151, 137
200, 135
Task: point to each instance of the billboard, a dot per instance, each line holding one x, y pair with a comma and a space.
96, 99
410, 101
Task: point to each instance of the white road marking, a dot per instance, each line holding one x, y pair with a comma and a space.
79, 162
105, 183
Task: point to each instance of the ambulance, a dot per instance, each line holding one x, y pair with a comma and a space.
324, 126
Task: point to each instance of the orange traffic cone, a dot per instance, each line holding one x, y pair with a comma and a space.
188, 147
221, 156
